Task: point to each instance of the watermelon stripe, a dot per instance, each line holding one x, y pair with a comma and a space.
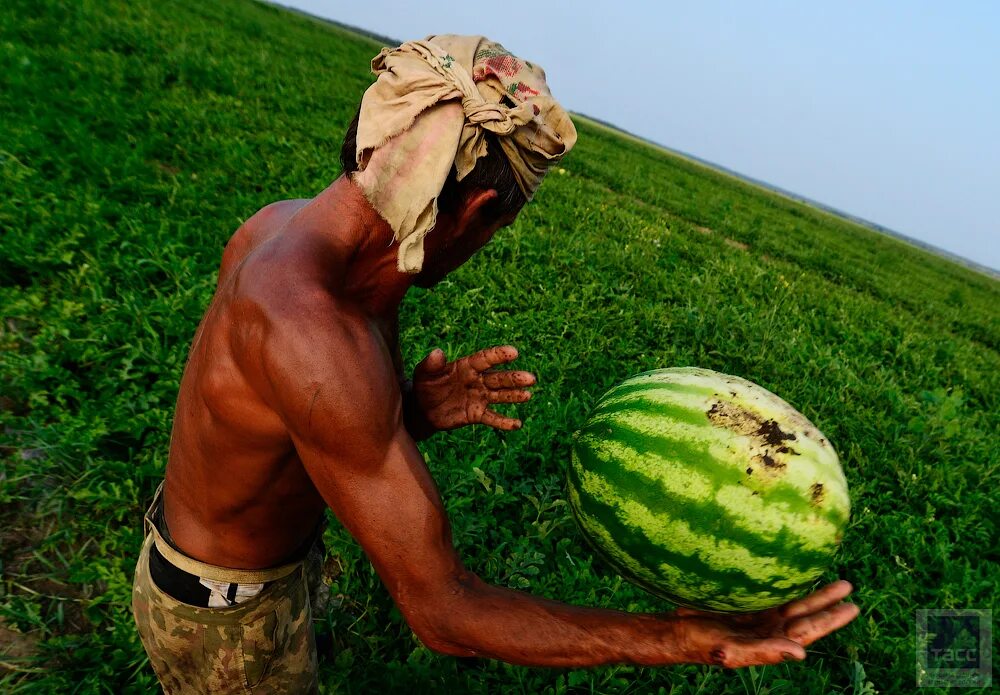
654, 415
598, 537
724, 473
608, 549
687, 454
635, 544
679, 536
651, 493
653, 386
667, 410
744, 510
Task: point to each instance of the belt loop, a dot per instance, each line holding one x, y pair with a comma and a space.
147, 519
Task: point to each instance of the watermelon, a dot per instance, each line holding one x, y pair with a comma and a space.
708, 490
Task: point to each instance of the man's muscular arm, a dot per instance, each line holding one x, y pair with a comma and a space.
334, 385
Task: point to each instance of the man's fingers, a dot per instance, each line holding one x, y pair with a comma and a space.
508, 380
810, 628
499, 421
829, 595
435, 362
508, 396
491, 357
774, 650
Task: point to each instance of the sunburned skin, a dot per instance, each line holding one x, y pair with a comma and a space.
293, 400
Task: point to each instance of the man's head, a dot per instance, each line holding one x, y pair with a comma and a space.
470, 211
492, 171
455, 135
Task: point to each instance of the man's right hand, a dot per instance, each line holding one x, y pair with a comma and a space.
765, 637
459, 393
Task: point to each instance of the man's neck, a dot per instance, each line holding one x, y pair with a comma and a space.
365, 245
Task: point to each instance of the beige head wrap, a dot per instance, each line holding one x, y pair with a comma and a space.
428, 110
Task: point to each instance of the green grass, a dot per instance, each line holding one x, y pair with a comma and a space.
135, 138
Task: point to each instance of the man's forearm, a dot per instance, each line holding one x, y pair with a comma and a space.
489, 621
413, 417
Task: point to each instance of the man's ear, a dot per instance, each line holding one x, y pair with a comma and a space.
476, 203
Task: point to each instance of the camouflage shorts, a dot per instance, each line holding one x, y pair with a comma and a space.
265, 644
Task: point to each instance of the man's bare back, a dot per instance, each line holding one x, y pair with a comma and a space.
236, 493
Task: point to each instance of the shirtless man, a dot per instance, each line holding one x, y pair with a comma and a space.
294, 401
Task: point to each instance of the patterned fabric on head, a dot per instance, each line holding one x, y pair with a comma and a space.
428, 111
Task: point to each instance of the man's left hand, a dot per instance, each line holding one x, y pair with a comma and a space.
766, 637
454, 394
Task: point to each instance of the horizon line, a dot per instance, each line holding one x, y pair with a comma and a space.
989, 271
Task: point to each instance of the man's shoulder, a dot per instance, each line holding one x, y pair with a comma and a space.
284, 306
274, 215
288, 322
282, 280
285, 318
256, 230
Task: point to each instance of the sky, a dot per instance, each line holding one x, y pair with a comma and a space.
889, 111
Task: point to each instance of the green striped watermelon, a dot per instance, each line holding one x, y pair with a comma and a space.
708, 490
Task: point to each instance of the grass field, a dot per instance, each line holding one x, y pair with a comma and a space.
135, 136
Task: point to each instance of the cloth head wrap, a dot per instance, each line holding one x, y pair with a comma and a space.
428, 110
